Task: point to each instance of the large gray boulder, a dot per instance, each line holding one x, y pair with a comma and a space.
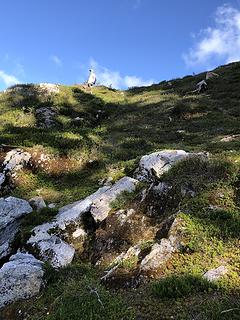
12, 209
154, 165
20, 278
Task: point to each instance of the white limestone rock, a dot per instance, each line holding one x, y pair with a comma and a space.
101, 206
155, 164
56, 251
159, 254
215, 274
15, 160
20, 278
12, 209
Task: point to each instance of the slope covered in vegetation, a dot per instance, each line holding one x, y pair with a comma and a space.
96, 136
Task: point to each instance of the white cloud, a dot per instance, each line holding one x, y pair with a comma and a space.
7, 79
114, 78
219, 42
56, 60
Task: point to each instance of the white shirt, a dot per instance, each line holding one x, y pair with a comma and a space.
91, 78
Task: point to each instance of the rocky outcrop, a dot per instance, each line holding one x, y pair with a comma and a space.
51, 239
11, 210
20, 278
34, 89
57, 252
48, 88
152, 166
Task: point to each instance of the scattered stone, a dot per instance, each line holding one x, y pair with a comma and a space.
37, 203
215, 274
230, 138
15, 160
20, 278
154, 165
52, 205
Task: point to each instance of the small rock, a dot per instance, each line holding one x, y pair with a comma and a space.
52, 205
159, 254
215, 274
20, 278
2, 179
37, 203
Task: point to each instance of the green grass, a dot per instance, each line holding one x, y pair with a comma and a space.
176, 287
133, 123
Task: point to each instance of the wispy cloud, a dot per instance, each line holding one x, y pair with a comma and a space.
56, 60
108, 77
219, 42
8, 79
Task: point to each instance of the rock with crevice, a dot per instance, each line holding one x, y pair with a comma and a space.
20, 278
152, 166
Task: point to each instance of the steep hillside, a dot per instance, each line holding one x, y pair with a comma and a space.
78, 142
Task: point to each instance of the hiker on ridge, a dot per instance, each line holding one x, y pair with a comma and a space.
91, 79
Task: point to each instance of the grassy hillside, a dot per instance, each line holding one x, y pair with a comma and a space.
114, 130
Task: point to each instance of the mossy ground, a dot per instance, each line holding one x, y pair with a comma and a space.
133, 123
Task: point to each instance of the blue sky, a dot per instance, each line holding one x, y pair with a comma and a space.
127, 42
